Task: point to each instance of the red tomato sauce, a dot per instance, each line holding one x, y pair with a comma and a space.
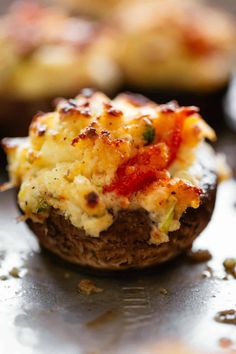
151, 163
141, 170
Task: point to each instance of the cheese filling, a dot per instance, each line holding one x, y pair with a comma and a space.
93, 157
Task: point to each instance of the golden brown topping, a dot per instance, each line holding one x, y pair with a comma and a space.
105, 133
70, 108
112, 111
117, 155
88, 133
92, 199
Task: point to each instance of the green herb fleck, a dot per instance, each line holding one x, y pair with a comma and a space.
41, 210
149, 134
165, 225
43, 206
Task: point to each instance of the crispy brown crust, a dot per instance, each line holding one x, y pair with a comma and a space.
125, 244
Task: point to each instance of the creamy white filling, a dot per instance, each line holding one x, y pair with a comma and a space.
50, 188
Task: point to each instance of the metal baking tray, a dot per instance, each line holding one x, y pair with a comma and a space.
42, 311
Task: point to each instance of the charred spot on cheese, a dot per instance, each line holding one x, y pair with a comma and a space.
88, 133
117, 142
82, 111
71, 109
91, 133
41, 130
86, 104
92, 199
105, 133
112, 111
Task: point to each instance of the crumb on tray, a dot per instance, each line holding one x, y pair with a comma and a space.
207, 273
163, 291
15, 272
87, 287
230, 266
199, 256
226, 316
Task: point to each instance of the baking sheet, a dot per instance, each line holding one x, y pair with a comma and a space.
42, 311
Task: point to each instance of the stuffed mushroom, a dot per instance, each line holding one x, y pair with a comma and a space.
115, 184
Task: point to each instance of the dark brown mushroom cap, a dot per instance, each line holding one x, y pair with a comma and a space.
125, 244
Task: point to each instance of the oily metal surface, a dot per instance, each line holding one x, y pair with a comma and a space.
42, 311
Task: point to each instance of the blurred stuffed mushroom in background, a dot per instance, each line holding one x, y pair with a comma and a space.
45, 53
185, 45
184, 49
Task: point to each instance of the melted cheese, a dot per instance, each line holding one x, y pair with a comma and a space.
72, 153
